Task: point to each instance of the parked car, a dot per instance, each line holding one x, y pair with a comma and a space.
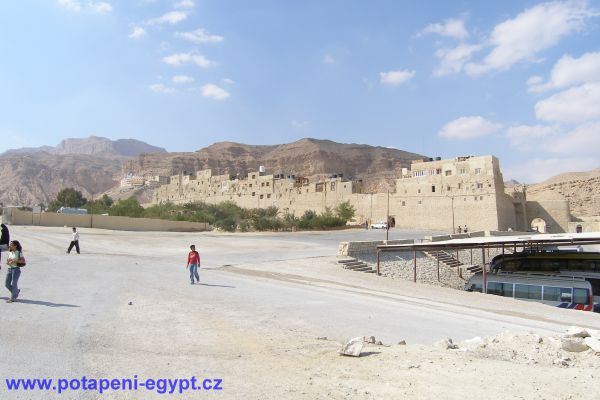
379, 225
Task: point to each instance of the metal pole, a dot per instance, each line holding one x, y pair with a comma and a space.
484, 270
438, 265
415, 265
453, 229
387, 224
378, 272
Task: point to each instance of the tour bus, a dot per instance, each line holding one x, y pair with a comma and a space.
562, 262
557, 290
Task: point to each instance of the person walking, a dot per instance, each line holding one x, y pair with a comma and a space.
15, 252
4, 239
193, 263
74, 241
465, 229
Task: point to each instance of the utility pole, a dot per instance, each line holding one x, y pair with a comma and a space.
387, 223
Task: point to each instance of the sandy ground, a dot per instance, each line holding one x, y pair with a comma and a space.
268, 319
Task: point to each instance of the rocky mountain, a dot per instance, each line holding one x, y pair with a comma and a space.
95, 166
580, 189
30, 176
94, 145
377, 166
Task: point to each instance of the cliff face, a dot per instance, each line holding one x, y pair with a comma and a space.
377, 166
95, 166
580, 189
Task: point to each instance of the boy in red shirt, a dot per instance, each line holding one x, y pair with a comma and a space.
193, 262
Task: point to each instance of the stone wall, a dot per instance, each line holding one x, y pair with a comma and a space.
18, 217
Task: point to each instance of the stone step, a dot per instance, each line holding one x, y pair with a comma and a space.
349, 260
359, 267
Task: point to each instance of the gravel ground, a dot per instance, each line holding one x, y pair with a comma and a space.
268, 318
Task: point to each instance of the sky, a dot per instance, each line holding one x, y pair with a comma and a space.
519, 80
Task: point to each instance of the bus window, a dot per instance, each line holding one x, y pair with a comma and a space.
549, 265
581, 296
500, 289
557, 294
595, 285
528, 292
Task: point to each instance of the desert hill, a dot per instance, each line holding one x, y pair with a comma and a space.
94, 145
377, 166
30, 176
95, 165
581, 189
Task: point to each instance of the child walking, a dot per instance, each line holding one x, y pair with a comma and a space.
193, 263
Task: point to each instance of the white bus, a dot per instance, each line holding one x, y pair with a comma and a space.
557, 290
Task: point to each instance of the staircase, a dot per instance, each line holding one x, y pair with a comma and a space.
447, 260
355, 265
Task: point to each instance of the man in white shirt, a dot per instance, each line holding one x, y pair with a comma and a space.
74, 241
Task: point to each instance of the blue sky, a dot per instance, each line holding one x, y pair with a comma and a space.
516, 79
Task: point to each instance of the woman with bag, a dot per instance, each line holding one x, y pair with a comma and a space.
14, 262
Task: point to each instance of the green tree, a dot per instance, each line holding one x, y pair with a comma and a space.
67, 197
127, 208
345, 211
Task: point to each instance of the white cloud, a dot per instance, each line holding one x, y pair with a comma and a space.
71, 5
395, 78
172, 18
299, 124
530, 32
328, 59
583, 140
574, 105
185, 58
454, 59
539, 169
199, 36
186, 4
570, 71
228, 81
468, 128
100, 7
161, 88
182, 79
530, 137
137, 33
453, 28
214, 92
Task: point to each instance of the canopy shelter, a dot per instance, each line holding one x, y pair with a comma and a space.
531, 242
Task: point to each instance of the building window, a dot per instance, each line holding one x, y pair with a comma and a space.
403, 203
448, 188
480, 186
268, 183
480, 197
250, 185
268, 196
477, 171
262, 184
332, 186
419, 173
460, 185
463, 171
418, 190
253, 176
253, 193
438, 171
432, 188
419, 202
448, 172
261, 196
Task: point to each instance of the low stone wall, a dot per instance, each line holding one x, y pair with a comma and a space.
353, 249
18, 217
400, 265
